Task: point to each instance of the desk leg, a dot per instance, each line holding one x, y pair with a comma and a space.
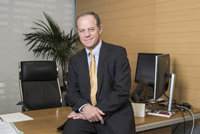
163, 130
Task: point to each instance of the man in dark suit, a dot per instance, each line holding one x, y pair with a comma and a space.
111, 111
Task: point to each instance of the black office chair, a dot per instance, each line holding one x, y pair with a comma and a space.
39, 85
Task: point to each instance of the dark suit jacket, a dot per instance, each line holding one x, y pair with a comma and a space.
114, 80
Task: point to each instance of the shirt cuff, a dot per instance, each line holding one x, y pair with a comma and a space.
82, 107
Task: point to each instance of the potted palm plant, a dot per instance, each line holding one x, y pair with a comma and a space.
50, 42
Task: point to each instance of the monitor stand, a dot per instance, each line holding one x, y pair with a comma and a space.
170, 111
171, 91
140, 89
152, 101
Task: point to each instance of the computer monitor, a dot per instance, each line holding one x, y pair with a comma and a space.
162, 76
145, 70
162, 70
144, 76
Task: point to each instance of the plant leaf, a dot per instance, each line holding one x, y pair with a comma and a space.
48, 41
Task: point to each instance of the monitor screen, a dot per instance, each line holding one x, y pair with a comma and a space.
145, 70
162, 69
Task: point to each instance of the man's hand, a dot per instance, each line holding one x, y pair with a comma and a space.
93, 114
75, 115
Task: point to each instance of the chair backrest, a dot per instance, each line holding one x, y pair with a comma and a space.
39, 84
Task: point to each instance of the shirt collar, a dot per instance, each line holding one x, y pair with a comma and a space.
96, 50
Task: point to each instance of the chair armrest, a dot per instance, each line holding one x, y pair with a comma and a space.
24, 105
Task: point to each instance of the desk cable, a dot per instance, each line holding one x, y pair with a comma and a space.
183, 119
192, 117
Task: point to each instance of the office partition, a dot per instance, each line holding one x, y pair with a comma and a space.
16, 19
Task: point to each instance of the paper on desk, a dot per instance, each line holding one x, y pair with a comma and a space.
6, 128
139, 109
15, 117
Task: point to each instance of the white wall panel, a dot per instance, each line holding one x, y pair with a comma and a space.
16, 19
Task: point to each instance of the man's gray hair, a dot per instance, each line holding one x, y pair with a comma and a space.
96, 16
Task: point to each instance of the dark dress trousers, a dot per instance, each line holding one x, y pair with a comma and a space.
114, 80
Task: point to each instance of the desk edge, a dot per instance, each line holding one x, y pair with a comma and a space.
164, 123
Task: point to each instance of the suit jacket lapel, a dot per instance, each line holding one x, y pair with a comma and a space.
103, 59
83, 68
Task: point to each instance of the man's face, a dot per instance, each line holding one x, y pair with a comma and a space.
88, 31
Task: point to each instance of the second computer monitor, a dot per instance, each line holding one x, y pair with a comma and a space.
145, 70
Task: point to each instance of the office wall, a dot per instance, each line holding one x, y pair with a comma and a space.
177, 31
129, 23
16, 19
160, 26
